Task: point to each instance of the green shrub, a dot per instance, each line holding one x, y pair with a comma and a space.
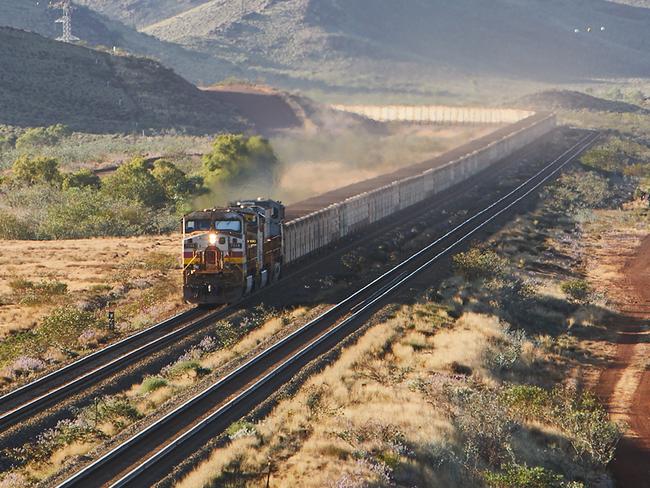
483, 421
580, 416
7, 142
619, 155
180, 368
117, 410
41, 136
86, 213
578, 190
28, 170
521, 476
175, 183
235, 156
81, 179
134, 181
64, 325
45, 291
586, 422
479, 264
13, 228
527, 402
577, 290
152, 383
241, 428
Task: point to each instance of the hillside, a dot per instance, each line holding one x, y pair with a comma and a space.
44, 82
140, 13
333, 43
98, 30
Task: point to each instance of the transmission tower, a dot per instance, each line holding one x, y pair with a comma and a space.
66, 20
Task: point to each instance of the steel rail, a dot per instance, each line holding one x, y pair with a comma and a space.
357, 310
61, 388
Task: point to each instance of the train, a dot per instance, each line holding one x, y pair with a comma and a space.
229, 252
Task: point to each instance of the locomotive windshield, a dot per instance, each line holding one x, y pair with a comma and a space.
223, 225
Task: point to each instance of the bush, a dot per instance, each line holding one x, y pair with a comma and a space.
41, 136
152, 383
237, 156
7, 143
479, 264
521, 476
240, 429
482, 419
25, 366
182, 367
134, 181
576, 290
29, 171
175, 183
13, 228
580, 416
620, 156
86, 213
81, 179
64, 325
527, 402
578, 190
593, 436
505, 354
28, 292
116, 410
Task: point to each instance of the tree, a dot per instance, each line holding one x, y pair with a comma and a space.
175, 183
81, 179
134, 181
236, 156
229, 154
29, 171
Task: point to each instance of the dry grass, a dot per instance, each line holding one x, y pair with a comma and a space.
250, 341
85, 266
301, 432
59, 458
465, 344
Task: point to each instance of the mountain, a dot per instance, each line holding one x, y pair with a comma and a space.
407, 44
45, 82
421, 47
98, 30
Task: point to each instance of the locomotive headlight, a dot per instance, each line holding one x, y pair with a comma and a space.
212, 238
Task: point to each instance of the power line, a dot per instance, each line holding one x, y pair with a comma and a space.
65, 20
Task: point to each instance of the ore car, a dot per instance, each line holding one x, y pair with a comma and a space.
228, 252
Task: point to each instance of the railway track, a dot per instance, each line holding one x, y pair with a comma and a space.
49, 389
30, 400
150, 454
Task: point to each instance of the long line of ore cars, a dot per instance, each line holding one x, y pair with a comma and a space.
230, 251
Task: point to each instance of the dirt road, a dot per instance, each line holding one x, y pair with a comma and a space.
625, 385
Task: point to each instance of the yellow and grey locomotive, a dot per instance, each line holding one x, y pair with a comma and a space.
228, 252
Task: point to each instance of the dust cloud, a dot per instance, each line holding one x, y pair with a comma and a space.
316, 160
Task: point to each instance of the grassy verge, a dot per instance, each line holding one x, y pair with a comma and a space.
54, 298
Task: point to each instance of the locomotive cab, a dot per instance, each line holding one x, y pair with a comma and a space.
228, 252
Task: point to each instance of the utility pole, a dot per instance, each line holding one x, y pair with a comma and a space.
66, 20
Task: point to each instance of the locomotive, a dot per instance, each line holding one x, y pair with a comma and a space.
228, 252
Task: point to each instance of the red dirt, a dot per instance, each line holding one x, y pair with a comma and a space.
267, 110
631, 466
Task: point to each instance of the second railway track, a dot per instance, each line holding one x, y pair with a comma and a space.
150, 454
